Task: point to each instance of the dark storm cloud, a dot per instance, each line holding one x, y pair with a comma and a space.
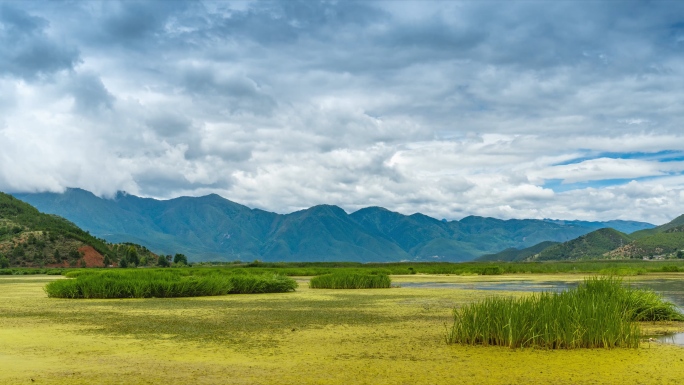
235, 92
90, 95
277, 22
26, 50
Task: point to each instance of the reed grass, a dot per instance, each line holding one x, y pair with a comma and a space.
345, 280
599, 313
163, 284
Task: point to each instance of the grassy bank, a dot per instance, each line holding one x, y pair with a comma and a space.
600, 313
164, 284
345, 280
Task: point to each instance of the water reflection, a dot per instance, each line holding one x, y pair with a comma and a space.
533, 286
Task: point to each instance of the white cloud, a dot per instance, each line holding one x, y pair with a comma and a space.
449, 109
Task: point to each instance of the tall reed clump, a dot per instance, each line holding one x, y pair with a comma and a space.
163, 284
346, 280
599, 313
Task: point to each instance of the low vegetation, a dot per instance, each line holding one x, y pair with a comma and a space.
465, 268
600, 313
164, 284
344, 280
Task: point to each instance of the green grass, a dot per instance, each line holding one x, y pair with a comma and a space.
464, 268
600, 313
344, 280
164, 284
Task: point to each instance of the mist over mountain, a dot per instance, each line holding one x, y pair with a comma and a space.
214, 228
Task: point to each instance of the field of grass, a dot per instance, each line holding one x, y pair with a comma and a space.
344, 280
310, 336
164, 283
623, 267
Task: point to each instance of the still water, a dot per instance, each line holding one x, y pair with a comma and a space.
671, 289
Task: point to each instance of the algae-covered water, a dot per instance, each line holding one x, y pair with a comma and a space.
311, 336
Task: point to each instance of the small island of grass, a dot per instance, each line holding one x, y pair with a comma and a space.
164, 284
599, 313
346, 280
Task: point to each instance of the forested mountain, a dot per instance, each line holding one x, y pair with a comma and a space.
29, 238
214, 228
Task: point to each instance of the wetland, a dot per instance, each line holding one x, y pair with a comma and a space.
309, 336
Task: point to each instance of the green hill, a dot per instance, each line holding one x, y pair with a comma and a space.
664, 244
29, 238
677, 222
513, 254
590, 246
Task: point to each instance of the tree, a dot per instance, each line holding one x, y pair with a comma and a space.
680, 254
4, 262
162, 261
107, 260
180, 259
132, 256
123, 262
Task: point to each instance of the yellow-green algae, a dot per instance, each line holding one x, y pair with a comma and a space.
377, 336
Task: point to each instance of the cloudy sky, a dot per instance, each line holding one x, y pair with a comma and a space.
546, 109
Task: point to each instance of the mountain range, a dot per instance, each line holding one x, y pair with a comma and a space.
214, 228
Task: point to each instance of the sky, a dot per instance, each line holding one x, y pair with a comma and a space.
514, 109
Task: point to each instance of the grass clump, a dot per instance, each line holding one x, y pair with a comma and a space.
345, 280
599, 313
164, 284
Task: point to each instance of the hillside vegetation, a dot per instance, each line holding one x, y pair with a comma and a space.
29, 238
590, 246
668, 243
513, 255
662, 242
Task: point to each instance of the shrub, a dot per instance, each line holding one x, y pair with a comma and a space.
344, 280
492, 270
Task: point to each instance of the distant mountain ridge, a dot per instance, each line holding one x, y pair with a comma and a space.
214, 228
662, 242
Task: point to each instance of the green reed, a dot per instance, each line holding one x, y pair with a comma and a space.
346, 280
599, 313
164, 284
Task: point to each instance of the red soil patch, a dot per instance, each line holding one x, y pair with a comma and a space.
91, 256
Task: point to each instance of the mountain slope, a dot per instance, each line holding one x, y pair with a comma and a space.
30, 238
664, 244
677, 222
214, 228
513, 254
592, 245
